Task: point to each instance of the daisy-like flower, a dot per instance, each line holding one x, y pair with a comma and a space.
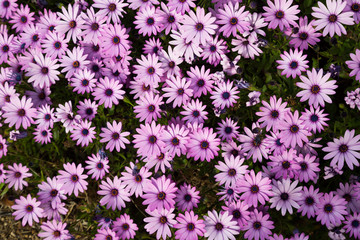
28, 209
51, 191
83, 81
293, 63
187, 197
2, 170
140, 86
54, 213
113, 136
93, 25
54, 230
308, 201
353, 64
347, 192
3, 152
148, 21
170, 18
73, 179
43, 135
87, 109
170, 62
259, 226
19, 112
255, 188
148, 107
281, 14
8, 7
286, 195
331, 17
160, 194
352, 225
203, 144
22, 18
246, 47
114, 40
175, 138
353, 6
54, 45
73, 61
305, 35
198, 28
314, 119
239, 211
148, 140
284, 165
316, 88
274, 144
331, 209
97, 166
201, 81
257, 22
194, 112
189, 226
136, 180
160, 161
181, 6
108, 92
7, 93
149, 69
83, 133
293, 130
110, 9
160, 222
15, 176
346, 148
227, 129
188, 49
224, 95
65, 115
105, 234
231, 171
232, 17
125, 227
220, 226
214, 50
229, 194
70, 23
6, 47
178, 91
47, 21
308, 167
253, 145
114, 192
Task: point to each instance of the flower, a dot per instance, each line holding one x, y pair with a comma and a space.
239, 211
54, 45
148, 141
170, 18
246, 47
28, 209
214, 50
125, 227
224, 95
6, 47
194, 112
83, 81
97, 166
181, 6
284, 165
148, 21
203, 144
19, 112
108, 92
148, 107
15, 176
83, 133
114, 40
308, 201
352, 224
3, 148
231, 171
281, 14
331, 17
187, 197
110, 9
160, 194
73, 179
160, 222
113, 136
189, 226
51, 191
105, 234
175, 138
187, 49
308, 167
293, 63
149, 69
227, 129
317, 88
136, 180
65, 114
354, 64
201, 81
22, 18
114, 192
255, 188
346, 148
7, 8
139, 4
253, 145
258, 227
161, 161
70, 23
314, 119
233, 19
354, 6
348, 192
54, 230
2, 173
305, 35
220, 226
178, 91
331, 209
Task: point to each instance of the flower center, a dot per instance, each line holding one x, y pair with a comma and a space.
29, 208
200, 83
171, 64
204, 144
161, 156
138, 178
151, 108
7, 98
196, 113
6, 4
152, 139
228, 130
284, 196
114, 192
332, 18
187, 197
100, 165
347, 197
171, 19
125, 226
150, 21
18, 174
21, 112
315, 89
44, 133
89, 111
5, 48
232, 172
236, 214
51, 28
303, 36
278, 143
294, 129
285, 164
108, 92
56, 233
180, 91
35, 37
108, 237
230, 191
355, 223
85, 132
74, 178
190, 227
76, 64
233, 21
151, 70
199, 26
94, 26
95, 68
163, 220
72, 24
161, 195
42, 96
96, 48
23, 19
212, 48
328, 208
303, 166
293, 65
116, 40
112, 7
257, 225
314, 118
53, 193
234, 152
279, 14
254, 189
175, 141
226, 95
219, 226
44, 70
355, 7
115, 136
85, 82
343, 148
57, 45
309, 201
274, 114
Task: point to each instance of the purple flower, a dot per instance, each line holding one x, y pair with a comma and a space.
148, 21
148, 140
114, 193
308, 168
353, 6
203, 144
220, 226
232, 17
73, 179
110, 9
246, 47
125, 227
224, 95
105, 234
314, 119
259, 226
281, 14
53, 230
187, 197
306, 35
136, 180
19, 112
189, 226
331, 209
28, 209
194, 112
83, 133
176, 138
160, 222
148, 107
15, 176
108, 92
354, 64
70, 23
97, 166
292, 63
178, 91
149, 69
3, 147
231, 171
114, 40
51, 191
352, 224
253, 145
113, 136
308, 201
284, 165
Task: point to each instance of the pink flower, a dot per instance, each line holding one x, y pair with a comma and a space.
281, 14
125, 227
113, 136
73, 179
354, 64
331, 209
187, 197
293, 63
203, 144
15, 176
231, 171
189, 226
224, 95
160, 222
114, 192
148, 107
136, 180
19, 112
178, 91
28, 209
148, 140
220, 226
108, 92
233, 19
148, 21
259, 226
83, 133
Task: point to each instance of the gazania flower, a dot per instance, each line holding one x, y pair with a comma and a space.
220, 226
201, 81
28, 209
331, 209
113, 135
136, 180
83, 133
259, 226
224, 95
233, 19
148, 140
125, 227
344, 149
231, 171
187, 197
114, 192
148, 21
189, 226
15, 176
160, 194
293, 63
19, 112
108, 92
194, 112
308, 201
281, 14
203, 144
70, 22
97, 166
54, 230
305, 35
73, 179
160, 222
178, 91
354, 63
331, 17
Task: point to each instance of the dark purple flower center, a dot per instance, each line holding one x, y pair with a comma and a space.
171, 19
108, 92
151, 108
76, 64
51, 28
56, 233
236, 214
257, 141
254, 189
180, 91
85, 82
309, 201
175, 141
116, 40
294, 128
114, 192
161, 195
89, 111
303, 36
23, 19
278, 143
96, 48
332, 18
257, 225
151, 70
150, 21
53, 193
285, 164
152, 139
314, 118
95, 68
70, 117
5, 48
279, 14
315, 89
44, 70
328, 208
29, 208
196, 113
228, 130
18, 174
99, 165
212, 48
284, 196
145, 87
1, 172
163, 220
94, 26
115, 136
303, 166
190, 227
21, 112
234, 152
355, 223
226, 95
108, 237
7, 98
233, 21
200, 83
112, 7
72, 24
355, 7
204, 144
293, 65
161, 156
232, 172
57, 45
107, 219
74, 178
6, 4
219, 226
199, 26
343, 148
171, 64
138, 178
125, 226
347, 197
187, 197
85, 132
35, 37
44, 133
230, 191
